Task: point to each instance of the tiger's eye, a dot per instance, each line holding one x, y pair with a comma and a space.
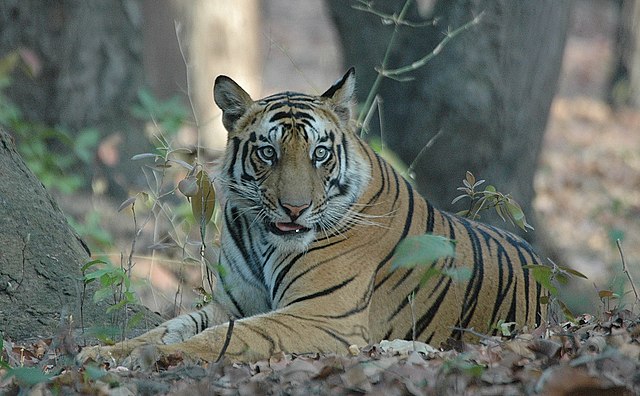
267, 153
320, 153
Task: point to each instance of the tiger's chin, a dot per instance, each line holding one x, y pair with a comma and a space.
290, 237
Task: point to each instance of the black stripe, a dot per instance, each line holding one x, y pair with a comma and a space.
262, 334
511, 315
287, 268
425, 320
204, 320
405, 232
474, 286
361, 306
233, 300
324, 292
235, 226
194, 320
334, 336
430, 217
235, 147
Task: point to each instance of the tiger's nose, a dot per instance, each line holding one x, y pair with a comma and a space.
294, 211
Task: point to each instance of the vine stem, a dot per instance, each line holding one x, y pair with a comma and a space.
396, 73
625, 270
423, 61
376, 84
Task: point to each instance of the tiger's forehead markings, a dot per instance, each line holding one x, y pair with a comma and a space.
292, 111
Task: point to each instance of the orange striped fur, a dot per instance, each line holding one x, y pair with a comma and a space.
312, 218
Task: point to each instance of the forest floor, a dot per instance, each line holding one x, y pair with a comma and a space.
588, 196
590, 357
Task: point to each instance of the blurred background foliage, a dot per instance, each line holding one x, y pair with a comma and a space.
539, 98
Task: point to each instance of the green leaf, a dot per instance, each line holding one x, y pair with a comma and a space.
135, 320
91, 264
543, 275
428, 274
459, 197
102, 294
574, 272
116, 307
93, 372
566, 311
469, 178
505, 328
517, 215
422, 250
27, 375
97, 274
462, 274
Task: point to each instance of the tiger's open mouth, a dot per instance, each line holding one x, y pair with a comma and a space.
287, 228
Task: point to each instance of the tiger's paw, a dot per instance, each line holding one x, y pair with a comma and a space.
135, 356
112, 355
157, 357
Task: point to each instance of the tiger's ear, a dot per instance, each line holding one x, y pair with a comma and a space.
342, 95
232, 100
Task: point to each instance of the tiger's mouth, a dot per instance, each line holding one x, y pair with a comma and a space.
288, 228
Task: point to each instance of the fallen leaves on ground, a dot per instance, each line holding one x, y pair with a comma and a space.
585, 358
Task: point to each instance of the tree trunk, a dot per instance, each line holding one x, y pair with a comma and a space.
489, 90
40, 257
624, 82
217, 37
91, 53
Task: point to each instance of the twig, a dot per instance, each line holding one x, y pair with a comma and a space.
412, 299
366, 6
227, 340
412, 166
477, 334
423, 61
376, 84
625, 270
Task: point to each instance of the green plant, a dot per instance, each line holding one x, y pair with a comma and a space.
169, 115
115, 287
551, 278
3, 363
52, 153
27, 376
424, 250
181, 230
506, 207
92, 231
461, 363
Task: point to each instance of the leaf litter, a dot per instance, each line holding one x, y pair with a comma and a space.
588, 358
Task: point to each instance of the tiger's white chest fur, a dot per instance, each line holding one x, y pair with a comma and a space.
250, 267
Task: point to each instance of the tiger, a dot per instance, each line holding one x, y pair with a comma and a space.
311, 221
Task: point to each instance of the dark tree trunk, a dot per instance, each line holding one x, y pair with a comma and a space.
92, 68
40, 257
624, 83
489, 90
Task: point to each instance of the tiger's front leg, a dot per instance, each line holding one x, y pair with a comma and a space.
173, 331
262, 336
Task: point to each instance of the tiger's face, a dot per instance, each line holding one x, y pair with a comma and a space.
291, 161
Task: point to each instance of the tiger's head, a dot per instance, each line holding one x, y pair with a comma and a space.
292, 161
